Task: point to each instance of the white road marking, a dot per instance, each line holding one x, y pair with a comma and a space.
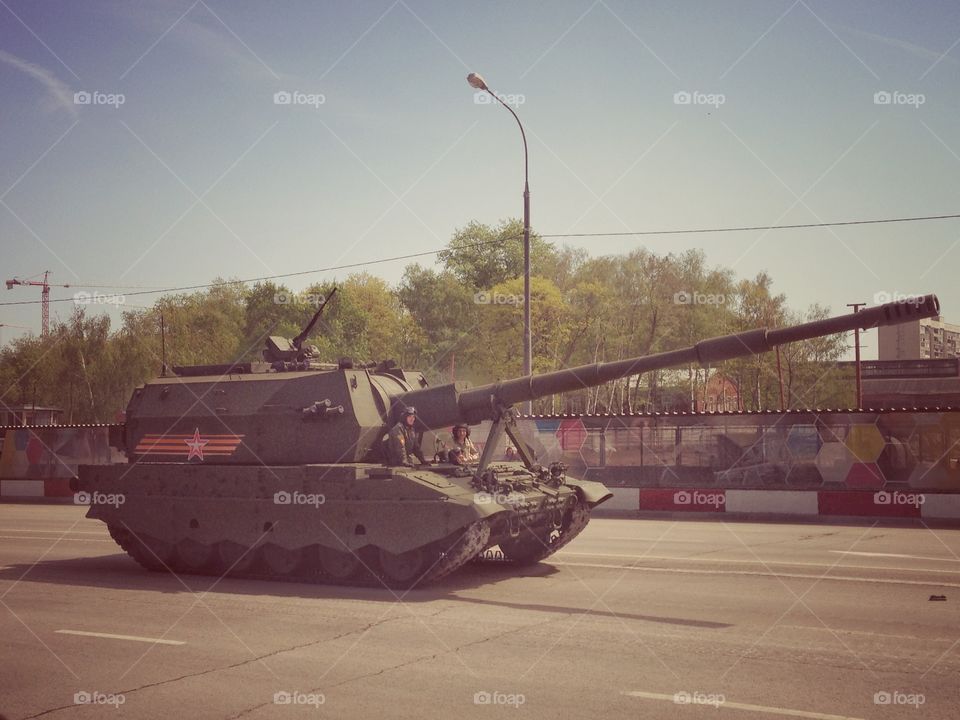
56, 532
657, 540
864, 633
678, 571
109, 636
746, 706
751, 561
48, 539
895, 555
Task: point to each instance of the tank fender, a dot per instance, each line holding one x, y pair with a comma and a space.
593, 493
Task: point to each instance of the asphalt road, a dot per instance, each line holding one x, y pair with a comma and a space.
632, 618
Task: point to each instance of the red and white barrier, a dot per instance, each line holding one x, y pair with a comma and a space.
837, 503
49, 488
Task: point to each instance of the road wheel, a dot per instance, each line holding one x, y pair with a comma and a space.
526, 549
281, 560
235, 559
194, 556
157, 554
403, 568
338, 564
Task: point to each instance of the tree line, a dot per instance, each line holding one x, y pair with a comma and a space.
461, 319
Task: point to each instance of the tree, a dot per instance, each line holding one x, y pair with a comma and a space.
480, 256
270, 309
755, 306
468, 313
497, 339
442, 312
812, 376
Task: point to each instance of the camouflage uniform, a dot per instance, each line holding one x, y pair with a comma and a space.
469, 451
403, 445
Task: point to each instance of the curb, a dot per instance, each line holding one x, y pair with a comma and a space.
783, 503
47, 488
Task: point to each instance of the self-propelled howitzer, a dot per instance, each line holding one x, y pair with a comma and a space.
279, 468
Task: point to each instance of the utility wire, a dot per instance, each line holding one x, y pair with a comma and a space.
498, 241
757, 227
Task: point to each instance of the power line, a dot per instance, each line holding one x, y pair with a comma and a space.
499, 241
349, 266
757, 227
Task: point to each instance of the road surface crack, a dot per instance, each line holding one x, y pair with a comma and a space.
408, 663
232, 666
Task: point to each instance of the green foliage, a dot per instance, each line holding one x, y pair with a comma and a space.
441, 312
480, 256
465, 319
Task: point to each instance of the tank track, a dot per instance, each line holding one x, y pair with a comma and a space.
440, 559
531, 547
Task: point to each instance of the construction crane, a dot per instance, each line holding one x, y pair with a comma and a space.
44, 298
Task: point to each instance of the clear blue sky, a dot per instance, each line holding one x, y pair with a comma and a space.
200, 174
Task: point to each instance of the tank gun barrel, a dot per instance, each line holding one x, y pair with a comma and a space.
447, 404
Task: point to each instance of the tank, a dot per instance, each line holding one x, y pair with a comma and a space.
279, 469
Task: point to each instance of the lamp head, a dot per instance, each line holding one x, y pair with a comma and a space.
477, 82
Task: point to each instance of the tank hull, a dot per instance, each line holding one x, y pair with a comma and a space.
343, 524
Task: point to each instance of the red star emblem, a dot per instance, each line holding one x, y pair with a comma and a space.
195, 445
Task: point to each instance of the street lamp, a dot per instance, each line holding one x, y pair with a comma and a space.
478, 83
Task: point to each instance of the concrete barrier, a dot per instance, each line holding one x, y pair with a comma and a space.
47, 488
799, 503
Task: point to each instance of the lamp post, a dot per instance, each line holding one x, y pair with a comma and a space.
478, 83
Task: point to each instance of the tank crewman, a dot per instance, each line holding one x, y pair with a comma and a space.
464, 452
403, 440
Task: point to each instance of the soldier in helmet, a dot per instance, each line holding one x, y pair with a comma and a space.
464, 452
403, 440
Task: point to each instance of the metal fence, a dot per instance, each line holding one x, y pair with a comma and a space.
799, 449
